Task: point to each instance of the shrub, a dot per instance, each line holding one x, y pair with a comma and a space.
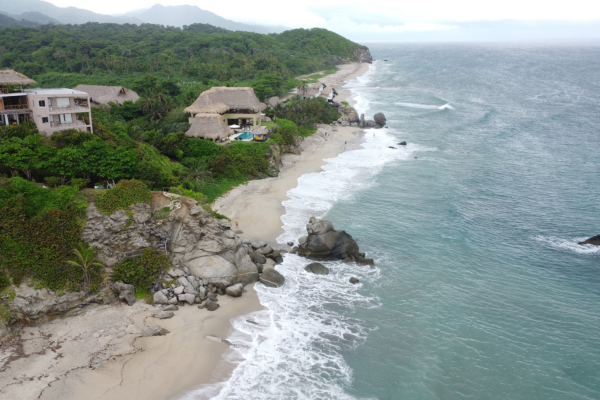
126, 193
38, 230
142, 271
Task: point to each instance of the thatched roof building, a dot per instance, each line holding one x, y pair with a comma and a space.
220, 100
208, 126
104, 94
12, 77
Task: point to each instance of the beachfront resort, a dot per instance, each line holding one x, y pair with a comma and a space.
223, 114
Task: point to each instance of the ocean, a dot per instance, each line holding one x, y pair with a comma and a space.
480, 290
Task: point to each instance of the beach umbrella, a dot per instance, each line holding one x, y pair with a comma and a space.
234, 126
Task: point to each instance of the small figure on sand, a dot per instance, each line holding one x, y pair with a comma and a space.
236, 224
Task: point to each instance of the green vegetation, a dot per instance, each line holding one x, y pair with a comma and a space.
39, 228
126, 193
195, 57
304, 112
142, 271
86, 260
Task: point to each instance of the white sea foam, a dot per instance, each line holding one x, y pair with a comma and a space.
446, 106
569, 244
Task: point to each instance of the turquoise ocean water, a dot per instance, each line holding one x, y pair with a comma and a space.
480, 290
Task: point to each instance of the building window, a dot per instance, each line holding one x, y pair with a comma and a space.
44, 119
66, 118
63, 102
49, 102
42, 103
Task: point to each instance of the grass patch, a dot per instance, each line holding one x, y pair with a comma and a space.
221, 186
268, 124
314, 78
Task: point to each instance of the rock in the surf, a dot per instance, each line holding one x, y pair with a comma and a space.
595, 240
325, 243
379, 119
317, 269
272, 278
354, 280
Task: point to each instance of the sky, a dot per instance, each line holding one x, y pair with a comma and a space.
397, 19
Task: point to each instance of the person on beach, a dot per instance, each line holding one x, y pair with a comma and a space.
236, 224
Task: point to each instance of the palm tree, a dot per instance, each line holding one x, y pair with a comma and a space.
197, 172
86, 259
303, 88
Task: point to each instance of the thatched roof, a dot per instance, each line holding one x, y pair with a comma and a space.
12, 77
104, 94
208, 126
219, 100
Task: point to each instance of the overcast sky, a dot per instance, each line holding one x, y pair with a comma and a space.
390, 19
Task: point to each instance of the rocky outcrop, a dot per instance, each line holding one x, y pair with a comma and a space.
207, 248
32, 307
124, 291
325, 243
349, 116
362, 54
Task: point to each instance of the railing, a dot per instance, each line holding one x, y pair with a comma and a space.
16, 107
69, 108
67, 124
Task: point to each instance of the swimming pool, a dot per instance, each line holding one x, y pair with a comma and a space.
245, 136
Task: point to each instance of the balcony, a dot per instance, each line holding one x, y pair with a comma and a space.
73, 108
15, 107
66, 125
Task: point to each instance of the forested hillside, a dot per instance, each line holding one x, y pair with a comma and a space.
67, 55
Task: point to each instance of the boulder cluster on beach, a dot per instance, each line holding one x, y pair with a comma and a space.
350, 117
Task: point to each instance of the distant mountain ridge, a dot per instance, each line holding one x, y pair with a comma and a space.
42, 12
10, 20
188, 15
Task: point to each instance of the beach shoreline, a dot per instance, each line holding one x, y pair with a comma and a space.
100, 352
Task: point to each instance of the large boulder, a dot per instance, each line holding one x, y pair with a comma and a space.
124, 291
211, 305
317, 269
272, 278
595, 240
160, 298
325, 243
379, 119
156, 330
235, 290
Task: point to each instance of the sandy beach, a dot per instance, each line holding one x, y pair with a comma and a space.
99, 353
